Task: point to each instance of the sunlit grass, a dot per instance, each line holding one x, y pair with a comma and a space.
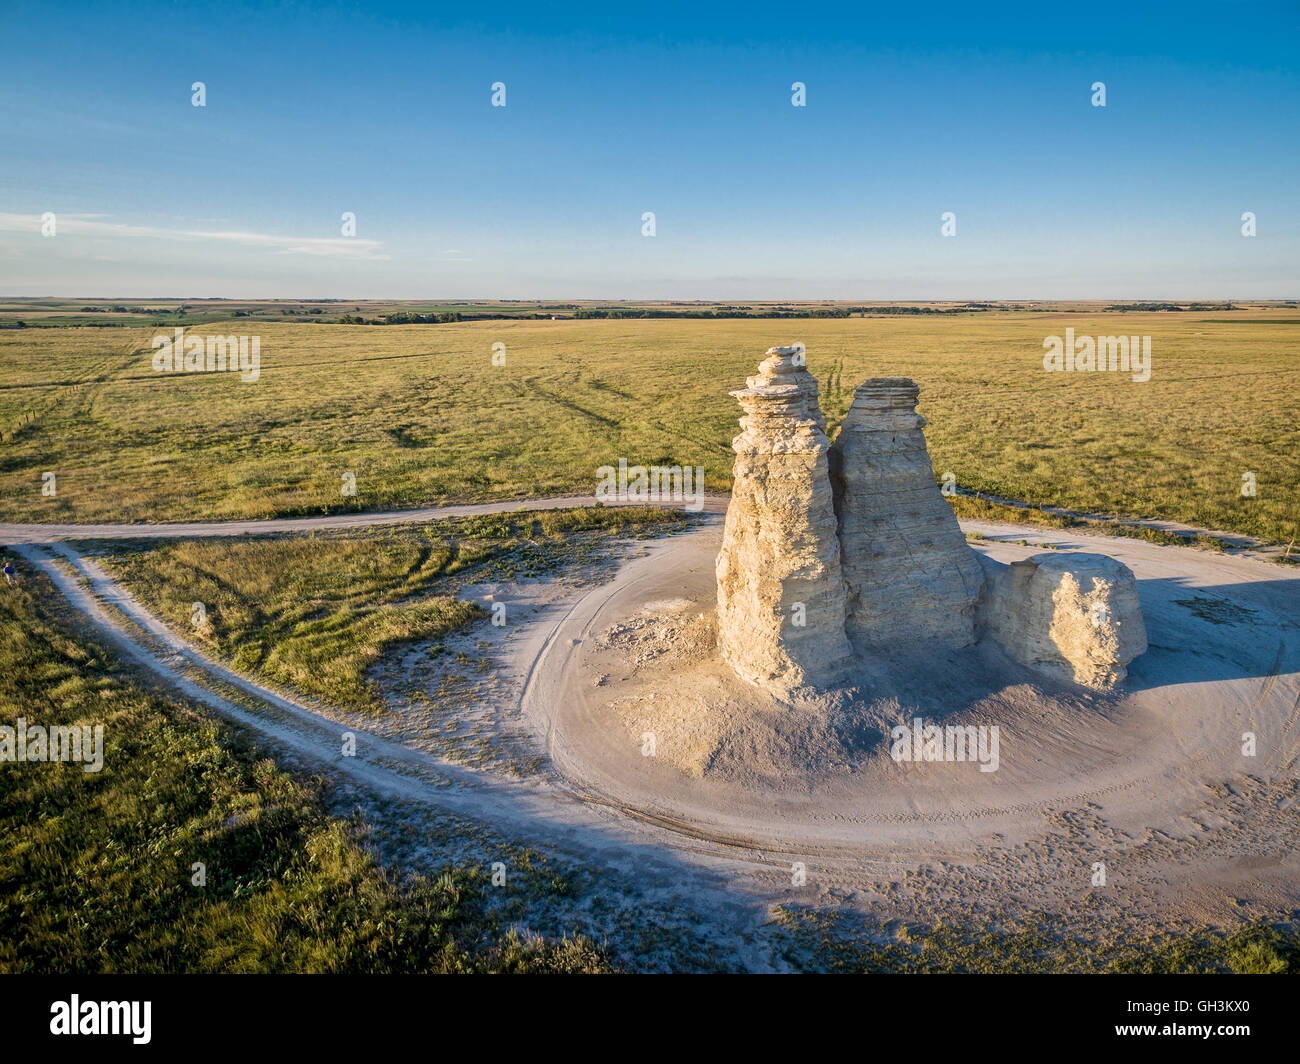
316, 612
97, 870
420, 415
831, 942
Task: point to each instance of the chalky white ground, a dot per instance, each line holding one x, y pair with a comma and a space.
1152, 782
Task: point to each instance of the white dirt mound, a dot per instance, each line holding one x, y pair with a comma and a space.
659, 675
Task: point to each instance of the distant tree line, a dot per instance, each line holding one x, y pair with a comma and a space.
1171, 306
965, 308
726, 312
409, 318
118, 308
442, 318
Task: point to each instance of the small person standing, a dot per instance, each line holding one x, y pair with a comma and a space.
11, 575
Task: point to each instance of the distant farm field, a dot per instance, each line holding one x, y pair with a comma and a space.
420, 415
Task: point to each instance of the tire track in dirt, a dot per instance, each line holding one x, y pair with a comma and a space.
563, 818
566, 811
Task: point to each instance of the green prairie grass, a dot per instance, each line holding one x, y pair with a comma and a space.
828, 942
420, 415
96, 869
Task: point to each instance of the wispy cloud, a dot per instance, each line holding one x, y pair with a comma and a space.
89, 226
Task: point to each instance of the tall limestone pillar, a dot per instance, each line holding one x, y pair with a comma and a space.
780, 589
911, 578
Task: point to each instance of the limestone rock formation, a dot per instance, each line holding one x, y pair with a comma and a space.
910, 575
1074, 616
827, 549
780, 589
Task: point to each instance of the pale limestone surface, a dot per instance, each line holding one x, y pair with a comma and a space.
910, 575
829, 551
1073, 616
780, 590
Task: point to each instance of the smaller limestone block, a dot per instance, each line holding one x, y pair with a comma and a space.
1073, 616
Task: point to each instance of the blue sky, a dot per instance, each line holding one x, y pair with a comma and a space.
680, 109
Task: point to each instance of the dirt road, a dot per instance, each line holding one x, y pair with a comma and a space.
1158, 791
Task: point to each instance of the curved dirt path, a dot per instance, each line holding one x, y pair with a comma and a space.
1177, 815
1237, 543
1156, 786
380, 763
722, 883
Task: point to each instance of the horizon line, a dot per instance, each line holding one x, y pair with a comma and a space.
636, 299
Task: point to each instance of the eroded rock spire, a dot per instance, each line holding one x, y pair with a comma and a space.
908, 571
780, 589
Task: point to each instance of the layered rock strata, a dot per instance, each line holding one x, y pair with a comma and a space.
831, 548
910, 576
780, 588
1073, 616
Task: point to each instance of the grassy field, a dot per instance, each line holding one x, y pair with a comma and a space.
96, 311
316, 612
833, 944
420, 415
96, 869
